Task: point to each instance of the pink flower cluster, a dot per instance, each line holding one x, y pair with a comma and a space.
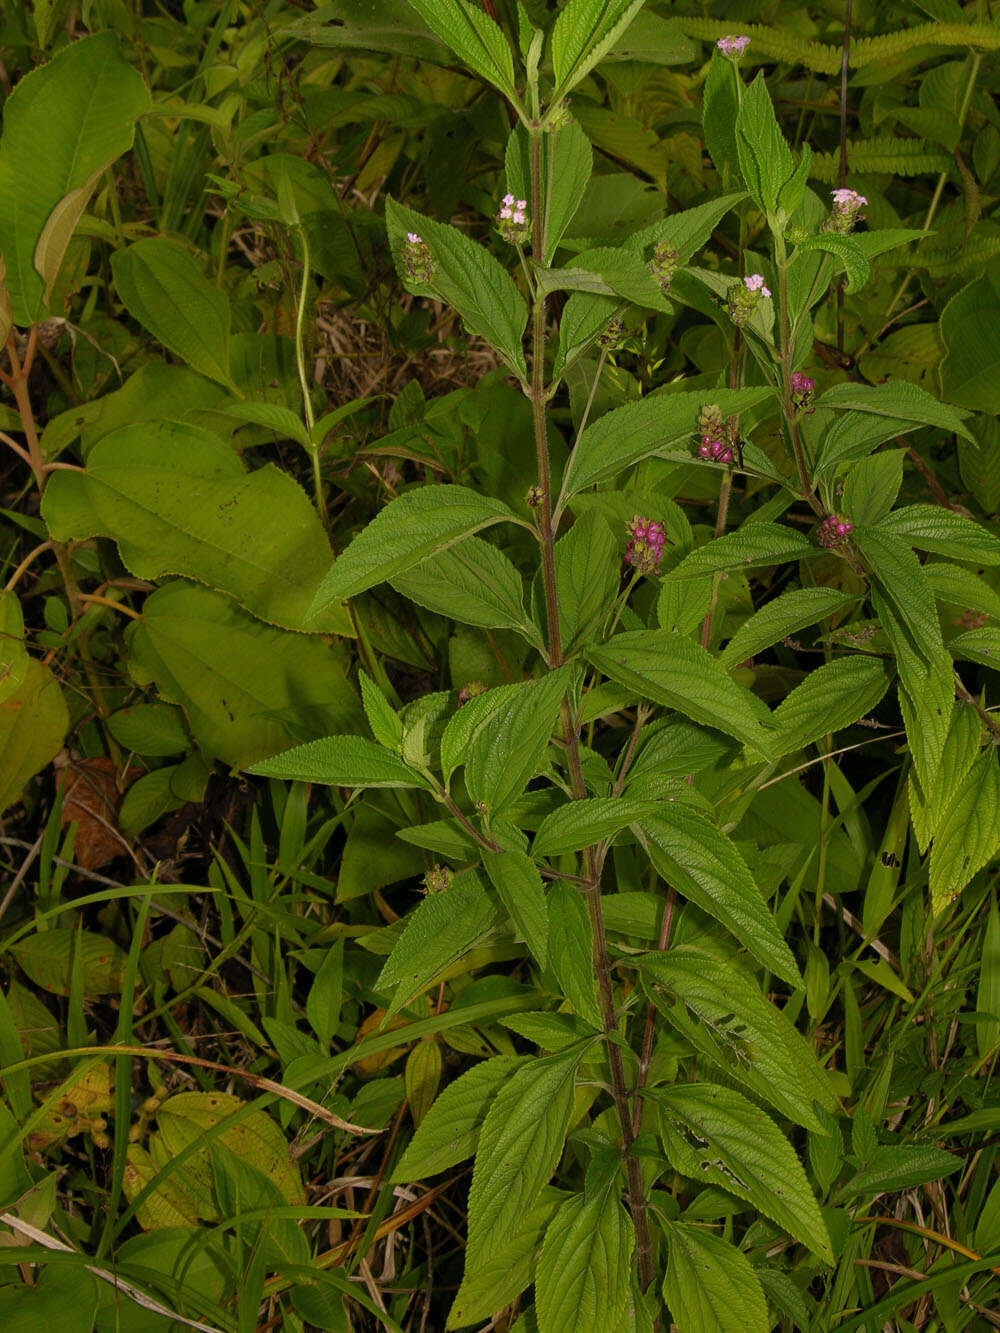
715, 451
733, 46
754, 282
803, 388
846, 212
512, 220
645, 547
743, 297
834, 531
717, 436
417, 258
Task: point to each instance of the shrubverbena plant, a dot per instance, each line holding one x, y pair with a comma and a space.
541, 792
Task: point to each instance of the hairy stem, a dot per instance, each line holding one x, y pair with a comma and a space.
602, 963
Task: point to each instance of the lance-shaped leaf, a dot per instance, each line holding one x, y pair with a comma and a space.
847, 250
765, 159
897, 399
943, 532
717, 1136
566, 162
408, 530
466, 276
781, 617
687, 231
498, 1281
571, 952
969, 832
832, 696
471, 582
509, 748
753, 545
651, 426
584, 32
473, 36
169, 294
519, 885
579, 824
671, 670
704, 865
582, 1281
340, 761
62, 125
710, 1286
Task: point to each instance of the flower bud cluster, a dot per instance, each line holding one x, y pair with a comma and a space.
743, 297
663, 266
846, 212
437, 879
512, 220
733, 46
417, 258
613, 334
718, 436
803, 390
645, 547
834, 531
470, 691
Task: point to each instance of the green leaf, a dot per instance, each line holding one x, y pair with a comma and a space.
63, 124
673, 671
899, 1167
379, 25
178, 500
449, 1131
943, 532
13, 651
475, 38
704, 865
167, 292
587, 564
509, 748
382, 717
978, 645
968, 834
582, 1281
340, 761
516, 879
246, 688
988, 996
584, 32
49, 956
779, 618
441, 929
831, 697
34, 721
154, 730
847, 250
580, 824
716, 1136
958, 756
571, 952
409, 529
688, 230
467, 277
471, 582
499, 1280
749, 547
897, 399
520, 1143
719, 108
970, 330
765, 159
567, 161
467, 720
719, 1008
709, 1285
654, 425
285, 423
325, 998
871, 487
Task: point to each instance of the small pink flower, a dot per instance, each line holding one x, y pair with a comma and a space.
834, 531
754, 282
733, 46
512, 220
413, 238
846, 212
645, 547
417, 259
848, 199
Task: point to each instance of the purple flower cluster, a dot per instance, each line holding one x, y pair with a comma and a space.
717, 437
744, 296
417, 258
645, 547
733, 46
803, 388
512, 220
834, 531
846, 212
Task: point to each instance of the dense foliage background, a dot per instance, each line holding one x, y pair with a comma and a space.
217, 371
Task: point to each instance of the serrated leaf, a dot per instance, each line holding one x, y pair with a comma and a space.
703, 864
897, 399
871, 487
584, 31
467, 719
892, 1167
715, 1135
779, 618
63, 124
587, 576
13, 650
943, 532
750, 546
566, 161
340, 761
471, 582
582, 1280
285, 423
968, 834
673, 671
709, 1285
765, 159
712, 1001
845, 248
580, 824
516, 879
167, 292
520, 1143
449, 1131
382, 717
655, 424
831, 697
571, 952
509, 748
409, 529
499, 1280
688, 230
467, 277
473, 36
958, 756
